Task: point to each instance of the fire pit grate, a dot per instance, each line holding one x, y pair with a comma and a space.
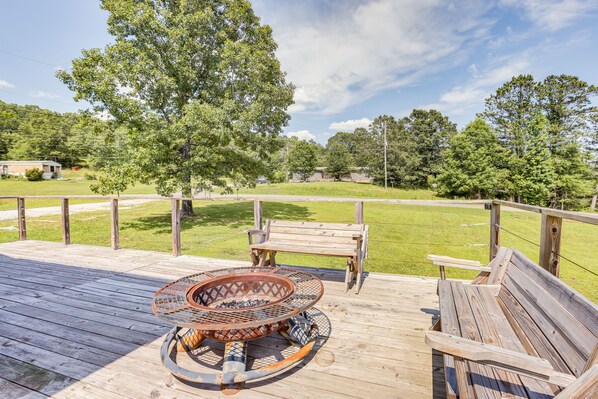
193, 301
234, 306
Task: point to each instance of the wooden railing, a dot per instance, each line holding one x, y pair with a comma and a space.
550, 237
550, 231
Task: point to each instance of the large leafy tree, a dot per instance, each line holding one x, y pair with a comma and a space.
197, 85
473, 165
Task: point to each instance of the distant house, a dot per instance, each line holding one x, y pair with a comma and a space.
356, 175
51, 169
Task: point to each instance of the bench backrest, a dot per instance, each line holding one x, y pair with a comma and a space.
551, 319
315, 233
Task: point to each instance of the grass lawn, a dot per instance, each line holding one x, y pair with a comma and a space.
76, 185
339, 189
400, 235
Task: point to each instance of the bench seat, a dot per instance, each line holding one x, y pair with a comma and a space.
517, 331
307, 248
312, 238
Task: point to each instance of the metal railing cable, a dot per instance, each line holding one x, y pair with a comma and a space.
560, 255
518, 236
575, 263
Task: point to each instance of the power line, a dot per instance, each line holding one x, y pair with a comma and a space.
55, 66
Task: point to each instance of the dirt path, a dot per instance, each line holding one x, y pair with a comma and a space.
76, 208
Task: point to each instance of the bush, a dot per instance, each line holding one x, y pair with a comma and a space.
90, 176
33, 174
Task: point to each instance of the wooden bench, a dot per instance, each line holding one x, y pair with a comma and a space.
517, 331
329, 239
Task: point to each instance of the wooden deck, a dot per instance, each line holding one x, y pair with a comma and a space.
76, 322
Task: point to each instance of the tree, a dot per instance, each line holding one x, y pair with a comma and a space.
197, 85
572, 128
510, 111
534, 176
473, 163
430, 132
302, 159
338, 159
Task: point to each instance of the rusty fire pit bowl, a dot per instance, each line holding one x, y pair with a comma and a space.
237, 304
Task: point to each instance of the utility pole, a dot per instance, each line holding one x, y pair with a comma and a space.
385, 166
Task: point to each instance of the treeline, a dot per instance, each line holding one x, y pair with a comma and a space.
28, 132
535, 142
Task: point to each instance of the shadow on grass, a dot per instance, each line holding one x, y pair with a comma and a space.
232, 215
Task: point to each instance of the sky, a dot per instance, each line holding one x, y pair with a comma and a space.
350, 60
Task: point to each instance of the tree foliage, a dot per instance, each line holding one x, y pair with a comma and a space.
303, 159
197, 85
473, 166
338, 159
550, 128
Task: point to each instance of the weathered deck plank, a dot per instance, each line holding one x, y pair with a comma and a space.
76, 322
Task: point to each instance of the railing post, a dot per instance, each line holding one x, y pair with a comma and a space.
494, 229
114, 231
176, 227
21, 218
359, 212
66, 227
257, 215
550, 244
593, 204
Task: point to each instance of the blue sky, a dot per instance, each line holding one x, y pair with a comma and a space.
351, 60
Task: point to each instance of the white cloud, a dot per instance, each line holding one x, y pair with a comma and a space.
461, 99
340, 54
553, 14
304, 135
44, 94
350, 124
6, 85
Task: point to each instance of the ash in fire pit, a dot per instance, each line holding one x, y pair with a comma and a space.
241, 304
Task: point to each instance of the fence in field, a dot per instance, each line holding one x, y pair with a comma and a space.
548, 243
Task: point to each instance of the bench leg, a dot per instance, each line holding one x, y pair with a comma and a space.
262, 261
348, 275
272, 258
254, 258
359, 273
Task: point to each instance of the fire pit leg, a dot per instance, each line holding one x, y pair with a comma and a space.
235, 358
189, 341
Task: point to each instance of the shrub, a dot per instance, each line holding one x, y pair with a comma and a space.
33, 174
90, 176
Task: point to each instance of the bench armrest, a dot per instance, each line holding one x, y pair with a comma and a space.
254, 232
494, 356
447, 261
587, 383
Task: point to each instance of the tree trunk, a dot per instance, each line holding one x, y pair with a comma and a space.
187, 206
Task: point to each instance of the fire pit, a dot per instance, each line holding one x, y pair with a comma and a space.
235, 306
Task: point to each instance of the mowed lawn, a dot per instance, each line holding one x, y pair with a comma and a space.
400, 235
340, 189
75, 185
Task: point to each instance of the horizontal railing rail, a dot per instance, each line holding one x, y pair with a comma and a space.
549, 240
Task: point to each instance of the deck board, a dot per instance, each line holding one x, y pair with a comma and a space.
76, 322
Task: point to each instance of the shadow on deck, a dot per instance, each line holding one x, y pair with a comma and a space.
79, 324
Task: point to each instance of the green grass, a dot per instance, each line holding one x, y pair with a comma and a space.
76, 185
340, 189
400, 235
